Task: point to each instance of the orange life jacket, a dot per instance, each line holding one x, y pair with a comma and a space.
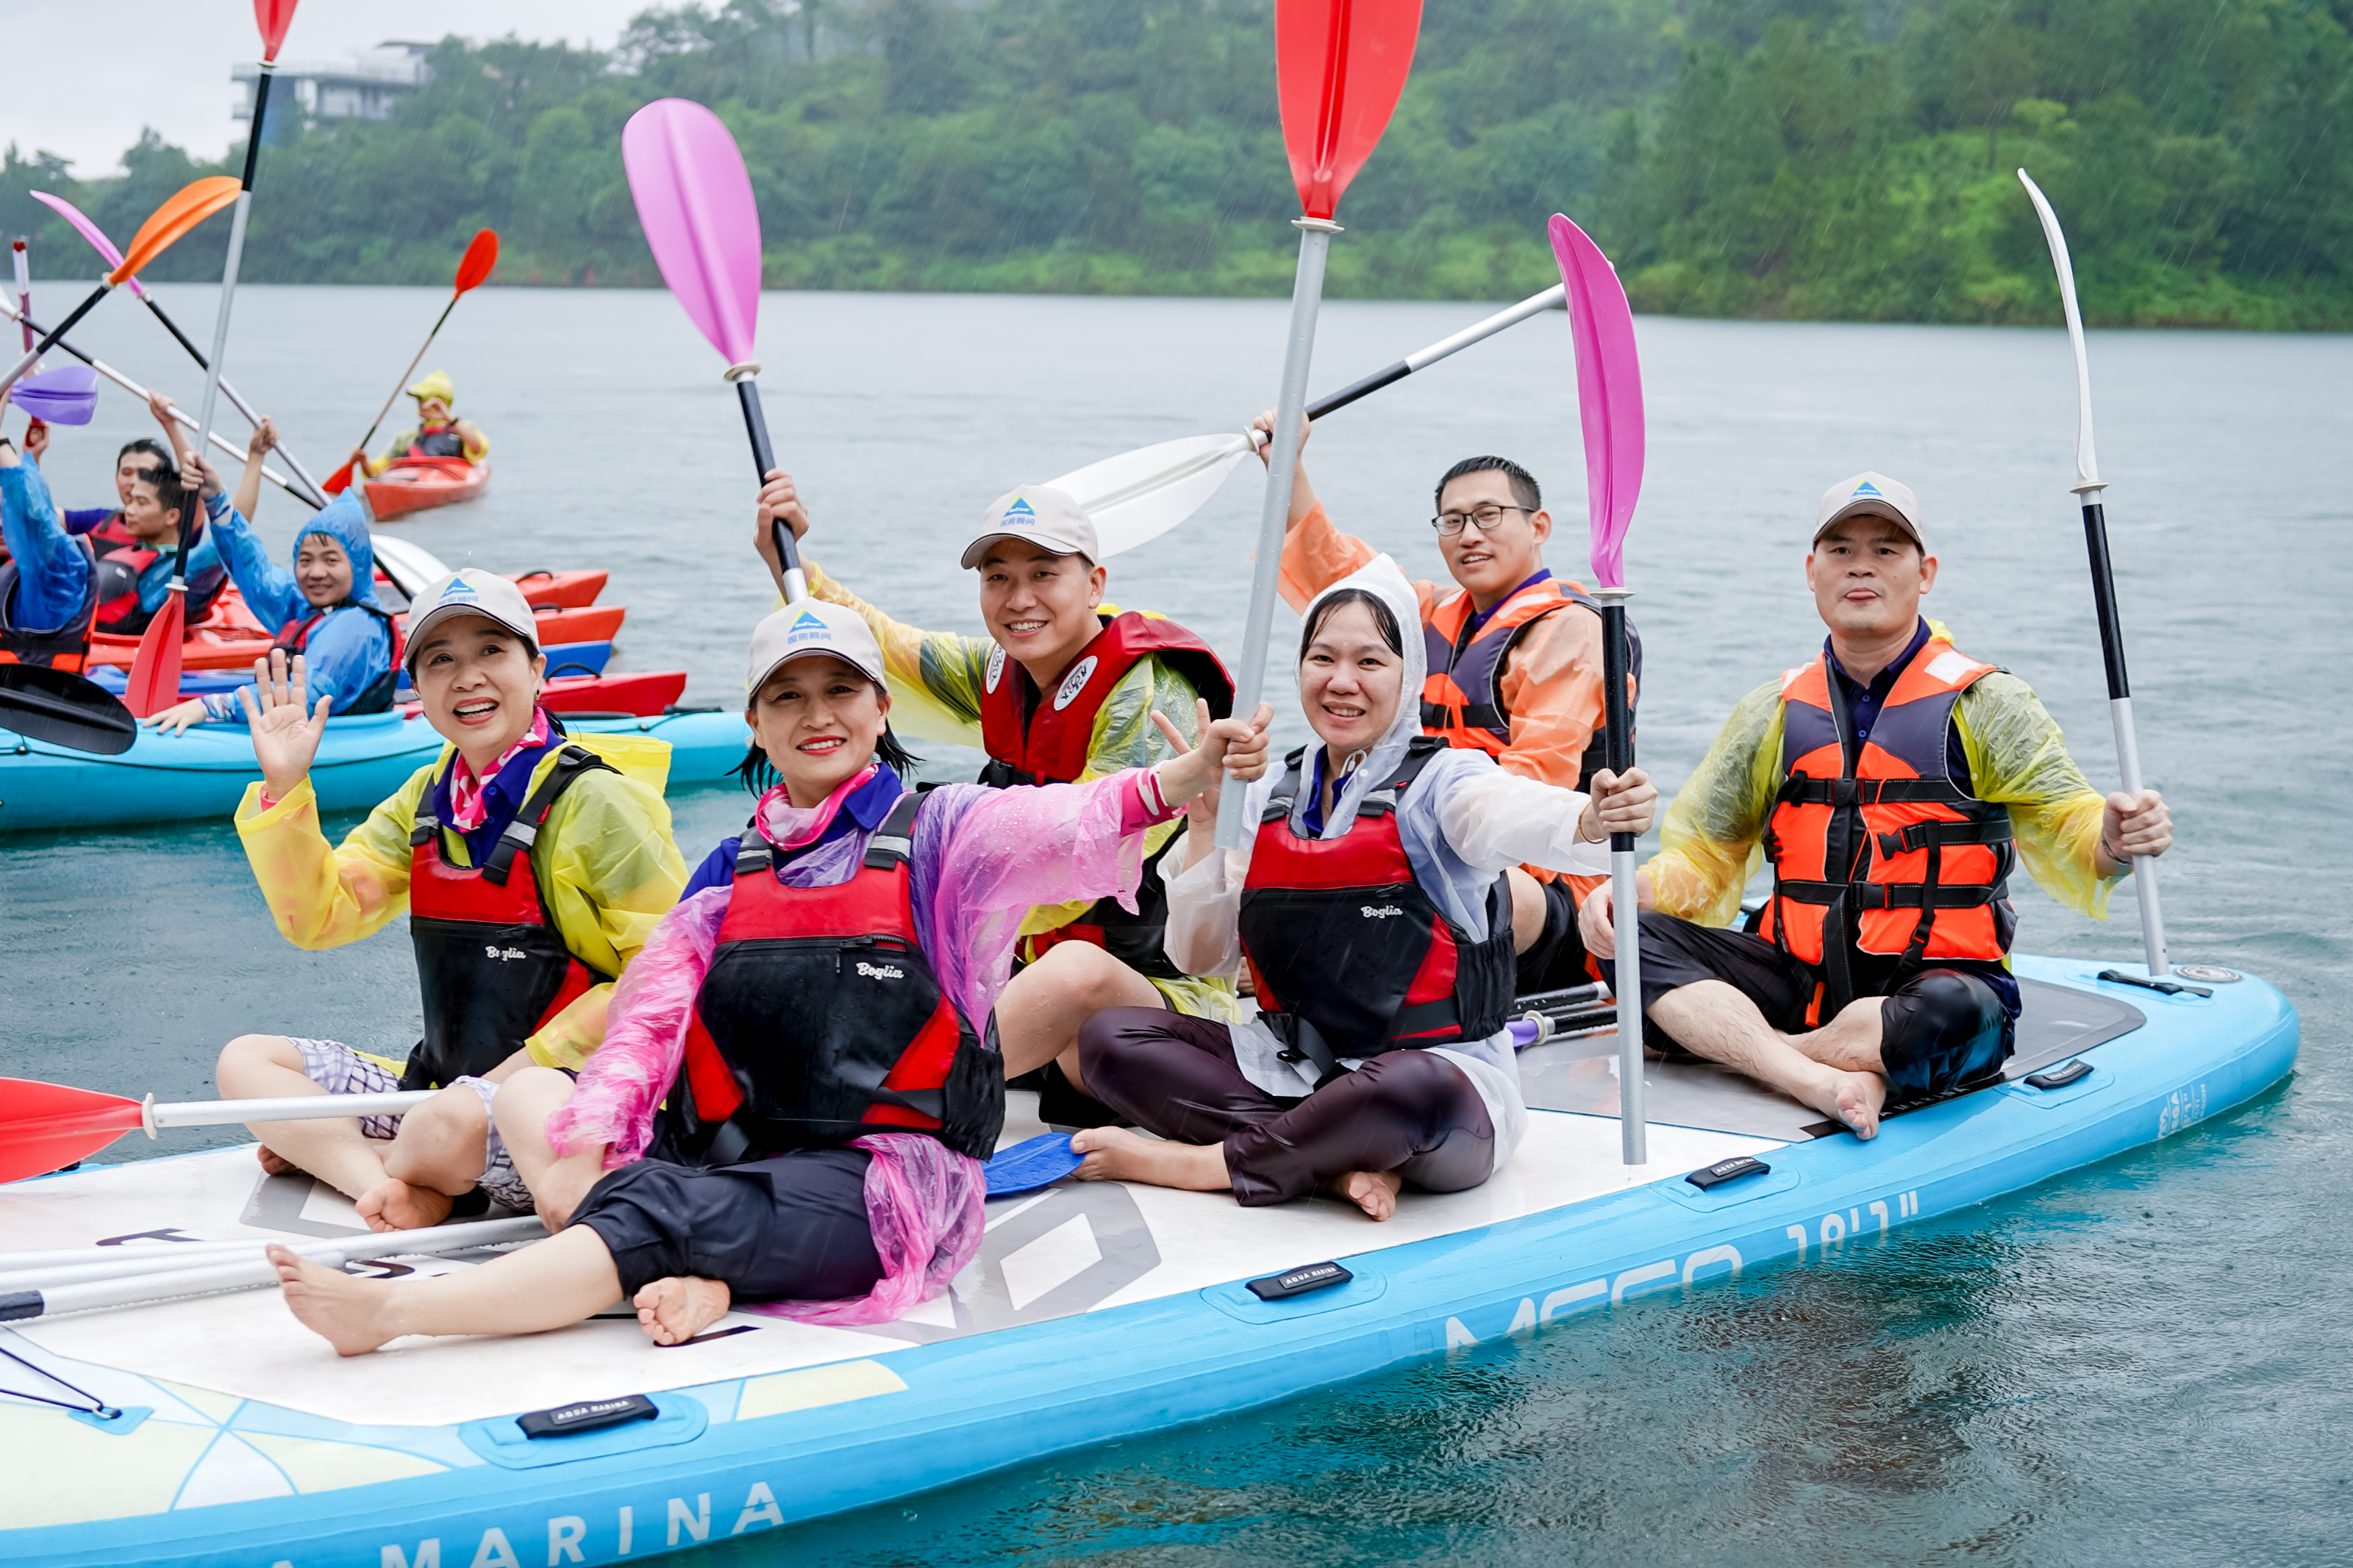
1873, 845
1462, 695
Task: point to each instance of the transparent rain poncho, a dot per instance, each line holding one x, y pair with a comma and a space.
1711, 842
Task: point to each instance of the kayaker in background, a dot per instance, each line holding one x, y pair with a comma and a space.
1372, 908
1513, 656
437, 433
1064, 688
531, 865
325, 609
734, 1138
1893, 784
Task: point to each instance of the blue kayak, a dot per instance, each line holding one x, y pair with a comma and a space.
1096, 1313
204, 771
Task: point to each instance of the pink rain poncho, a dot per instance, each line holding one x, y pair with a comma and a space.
982, 859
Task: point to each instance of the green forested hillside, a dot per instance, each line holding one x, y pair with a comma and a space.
1811, 158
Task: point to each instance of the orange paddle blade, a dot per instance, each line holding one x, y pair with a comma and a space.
182, 211
47, 1126
479, 258
155, 683
339, 481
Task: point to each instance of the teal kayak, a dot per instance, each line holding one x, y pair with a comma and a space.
204, 771
1094, 1312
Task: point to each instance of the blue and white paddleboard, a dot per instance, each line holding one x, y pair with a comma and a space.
1094, 1312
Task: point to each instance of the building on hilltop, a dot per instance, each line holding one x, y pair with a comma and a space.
365, 89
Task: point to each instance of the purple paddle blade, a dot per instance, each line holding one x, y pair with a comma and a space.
1608, 394
694, 202
66, 395
88, 230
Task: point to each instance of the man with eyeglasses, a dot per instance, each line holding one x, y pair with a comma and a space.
1514, 658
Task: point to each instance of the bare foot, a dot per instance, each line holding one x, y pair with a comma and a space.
1854, 1098
393, 1204
1375, 1192
274, 1164
352, 1315
1116, 1154
673, 1311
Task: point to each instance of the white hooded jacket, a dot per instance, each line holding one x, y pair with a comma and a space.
1464, 821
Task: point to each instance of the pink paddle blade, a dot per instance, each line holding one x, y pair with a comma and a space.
273, 17
694, 202
1339, 65
1608, 394
88, 230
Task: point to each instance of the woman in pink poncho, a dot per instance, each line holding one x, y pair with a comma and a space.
792, 1101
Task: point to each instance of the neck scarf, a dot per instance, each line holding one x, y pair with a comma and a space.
467, 807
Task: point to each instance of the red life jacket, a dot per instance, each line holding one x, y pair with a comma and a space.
1050, 746
821, 1020
122, 558
492, 966
1463, 694
1873, 845
1351, 957
376, 696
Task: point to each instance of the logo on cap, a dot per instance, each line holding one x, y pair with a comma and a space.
1021, 507
808, 628
1866, 488
459, 589
1074, 683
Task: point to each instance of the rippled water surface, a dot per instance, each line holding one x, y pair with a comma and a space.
2145, 1362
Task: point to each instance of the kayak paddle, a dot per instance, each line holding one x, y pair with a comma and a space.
481, 255
694, 203
187, 421
65, 710
166, 1262
45, 1126
90, 231
66, 395
182, 211
1339, 65
2088, 486
154, 682
1138, 496
1609, 408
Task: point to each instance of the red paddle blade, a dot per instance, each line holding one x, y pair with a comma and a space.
273, 17
1340, 66
47, 1126
479, 258
339, 481
155, 683
182, 211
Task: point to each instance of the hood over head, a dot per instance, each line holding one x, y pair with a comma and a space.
345, 520
1381, 577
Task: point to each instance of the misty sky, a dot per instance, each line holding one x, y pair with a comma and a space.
89, 73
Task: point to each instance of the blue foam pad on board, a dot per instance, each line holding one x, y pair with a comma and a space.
1035, 1163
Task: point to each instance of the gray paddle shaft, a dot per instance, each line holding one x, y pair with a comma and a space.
292, 1107
1282, 464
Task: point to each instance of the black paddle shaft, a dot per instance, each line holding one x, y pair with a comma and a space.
1619, 747
2103, 599
763, 458
1355, 389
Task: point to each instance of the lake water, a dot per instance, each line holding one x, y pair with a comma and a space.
2144, 1362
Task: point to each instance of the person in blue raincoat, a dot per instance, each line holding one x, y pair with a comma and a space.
325, 609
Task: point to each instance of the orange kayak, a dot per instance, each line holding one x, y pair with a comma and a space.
413, 484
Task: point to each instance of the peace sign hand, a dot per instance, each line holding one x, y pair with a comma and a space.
1236, 746
285, 734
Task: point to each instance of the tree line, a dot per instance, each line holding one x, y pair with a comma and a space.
1824, 158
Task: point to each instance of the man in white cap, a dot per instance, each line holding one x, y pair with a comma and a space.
1892, 783
1062, 688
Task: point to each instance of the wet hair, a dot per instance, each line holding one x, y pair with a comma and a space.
148, 448
1384, 618
1524, 489
759, 774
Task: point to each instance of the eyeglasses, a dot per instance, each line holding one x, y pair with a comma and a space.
1486, 516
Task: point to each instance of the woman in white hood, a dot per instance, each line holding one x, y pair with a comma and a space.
1372, 908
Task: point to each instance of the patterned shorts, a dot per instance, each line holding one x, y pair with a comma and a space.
339, 1069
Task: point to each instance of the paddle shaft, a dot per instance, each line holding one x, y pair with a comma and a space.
402, 384
317, 498
24, 266
1626, 915
2120, 716
1283, 464
1477, 332
33, 355
167, 1257
763, 458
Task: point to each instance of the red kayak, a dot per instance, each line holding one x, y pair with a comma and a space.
413, 484
559, 590
641, 694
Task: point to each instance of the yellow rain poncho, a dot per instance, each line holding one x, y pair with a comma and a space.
605, 863
1710, 841
935, 680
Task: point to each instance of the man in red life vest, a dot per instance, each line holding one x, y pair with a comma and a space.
1513, 658
1892, 782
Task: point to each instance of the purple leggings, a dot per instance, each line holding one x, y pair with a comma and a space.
1407, 1111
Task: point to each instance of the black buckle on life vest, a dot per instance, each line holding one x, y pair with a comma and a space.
1804, 789
752, 852
1919, 836
1917, 896
422, 832
894, 844
524, 831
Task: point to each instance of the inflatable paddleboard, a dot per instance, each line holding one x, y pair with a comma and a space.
1096, 1311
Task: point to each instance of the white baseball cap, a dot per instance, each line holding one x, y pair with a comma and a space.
471, 591
1877, 495
813, 626
1049, 519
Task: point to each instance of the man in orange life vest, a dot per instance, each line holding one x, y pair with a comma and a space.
1893, 782
1064, 688
1513, 659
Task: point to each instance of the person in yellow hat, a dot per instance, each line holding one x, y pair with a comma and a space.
437, 433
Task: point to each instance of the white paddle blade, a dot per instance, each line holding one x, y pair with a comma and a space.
1138, 496
2087, 462
411, 567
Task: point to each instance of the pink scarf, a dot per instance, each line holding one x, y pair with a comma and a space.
788, 826
467, 807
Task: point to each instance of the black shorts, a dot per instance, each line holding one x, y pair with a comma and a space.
793, 1227
1942, 1028
1556, 960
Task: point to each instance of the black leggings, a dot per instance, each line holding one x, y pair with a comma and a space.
789, 1229
1407, 1111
